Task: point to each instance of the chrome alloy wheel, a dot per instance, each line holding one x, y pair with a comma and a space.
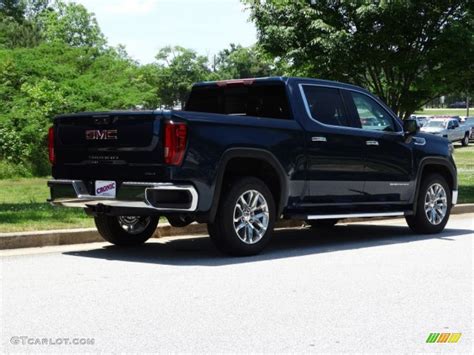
436, 203
134, 224
251, 217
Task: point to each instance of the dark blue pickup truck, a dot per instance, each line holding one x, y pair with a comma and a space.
245, 153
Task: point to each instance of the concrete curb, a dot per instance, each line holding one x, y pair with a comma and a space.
463, 208
90, 235
33, 239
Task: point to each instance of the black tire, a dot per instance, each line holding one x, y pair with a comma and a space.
179, 221
222, 231
322, 223
465, 140
419, 222
110, 228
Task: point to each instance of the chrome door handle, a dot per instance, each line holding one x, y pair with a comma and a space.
318, 139
372, 143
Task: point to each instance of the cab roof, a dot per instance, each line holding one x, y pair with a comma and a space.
280, 79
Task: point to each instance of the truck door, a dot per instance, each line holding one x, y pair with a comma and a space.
449, 131
388, 165
455, 131
335, 150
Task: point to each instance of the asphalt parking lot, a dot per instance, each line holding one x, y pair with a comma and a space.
364, 287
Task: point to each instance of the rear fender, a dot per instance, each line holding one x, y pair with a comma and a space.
253, 153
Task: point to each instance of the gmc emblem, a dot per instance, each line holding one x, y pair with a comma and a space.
101, 134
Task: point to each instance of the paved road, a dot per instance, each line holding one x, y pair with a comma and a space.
358, 288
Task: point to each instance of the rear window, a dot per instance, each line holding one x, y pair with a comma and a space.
256, 100
325, 105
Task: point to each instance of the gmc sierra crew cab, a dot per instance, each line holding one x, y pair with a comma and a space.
243, 154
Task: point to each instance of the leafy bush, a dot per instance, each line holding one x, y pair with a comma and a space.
39, 83
10, 170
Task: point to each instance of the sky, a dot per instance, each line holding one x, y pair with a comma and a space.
145, 26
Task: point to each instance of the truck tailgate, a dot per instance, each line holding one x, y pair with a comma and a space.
107, 143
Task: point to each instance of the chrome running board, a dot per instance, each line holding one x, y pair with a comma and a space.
355, 215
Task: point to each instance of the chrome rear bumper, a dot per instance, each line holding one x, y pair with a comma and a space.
136, 195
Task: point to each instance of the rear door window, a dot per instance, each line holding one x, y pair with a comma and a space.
325, 105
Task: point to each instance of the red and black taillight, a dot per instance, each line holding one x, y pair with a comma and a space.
175, 138
52, 155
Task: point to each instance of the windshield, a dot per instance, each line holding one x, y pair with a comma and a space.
436, 124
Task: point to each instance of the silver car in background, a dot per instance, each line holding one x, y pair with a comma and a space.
449, 128
469, 122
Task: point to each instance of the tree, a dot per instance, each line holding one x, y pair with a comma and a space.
177, 69
17, 29
21, 10
12, 8
14, 34
406, 52
241, 62
34, 8
72, 24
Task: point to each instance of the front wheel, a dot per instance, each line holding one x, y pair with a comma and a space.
245, 218
433, 206
126, 230
465, 140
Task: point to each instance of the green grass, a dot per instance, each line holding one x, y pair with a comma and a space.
445, 111
23, 204
23, 207
464, 157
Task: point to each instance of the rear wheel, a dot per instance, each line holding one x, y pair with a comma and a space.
433, 206
245, 218
179, 221
126, 230
322, 223
465, 140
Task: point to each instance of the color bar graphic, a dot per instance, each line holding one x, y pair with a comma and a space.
432, 338
443, 337
454, 338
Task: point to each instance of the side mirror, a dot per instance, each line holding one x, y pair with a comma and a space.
410, 127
